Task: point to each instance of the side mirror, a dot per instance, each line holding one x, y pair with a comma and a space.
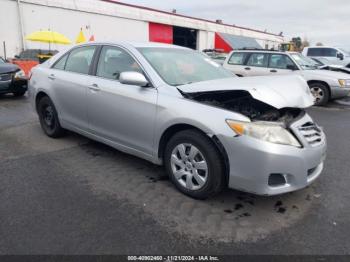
340, 56
133, 78
292, 67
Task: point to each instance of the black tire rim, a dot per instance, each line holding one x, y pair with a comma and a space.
48, 117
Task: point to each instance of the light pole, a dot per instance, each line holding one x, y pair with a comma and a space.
20, 20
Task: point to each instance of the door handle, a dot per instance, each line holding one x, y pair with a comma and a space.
52, 77
247, 68
94, 87
273, 71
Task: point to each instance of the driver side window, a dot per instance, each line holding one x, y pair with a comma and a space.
280, 61
113, 61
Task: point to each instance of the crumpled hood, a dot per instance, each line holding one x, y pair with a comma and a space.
325, 73
277, 91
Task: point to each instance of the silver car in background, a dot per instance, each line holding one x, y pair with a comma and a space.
174, 106
324, 84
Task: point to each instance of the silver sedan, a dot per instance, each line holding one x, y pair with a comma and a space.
174, 106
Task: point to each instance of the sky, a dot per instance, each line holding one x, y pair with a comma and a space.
325, 21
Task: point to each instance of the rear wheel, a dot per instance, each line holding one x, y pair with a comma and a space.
194, 164
320, 92
48, 118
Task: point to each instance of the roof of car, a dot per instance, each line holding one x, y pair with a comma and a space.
259, 51
266, 51
323, 46
135, 44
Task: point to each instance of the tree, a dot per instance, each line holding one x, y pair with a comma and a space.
297, 43
305, 43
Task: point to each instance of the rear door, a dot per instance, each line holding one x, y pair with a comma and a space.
69, 78
257, 65
236, 63
123, 114
281, 64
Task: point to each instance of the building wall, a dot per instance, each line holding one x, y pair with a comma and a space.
65, 21
161, 33
9, 28
108, 21
205, 40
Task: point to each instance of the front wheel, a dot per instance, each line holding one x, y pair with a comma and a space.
194, 164
320, 92
48, 118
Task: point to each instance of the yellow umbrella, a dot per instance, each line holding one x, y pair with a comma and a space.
48, 37
81, 38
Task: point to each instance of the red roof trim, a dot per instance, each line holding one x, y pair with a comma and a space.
185, 16
220, 43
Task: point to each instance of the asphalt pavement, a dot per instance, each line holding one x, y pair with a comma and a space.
76, 196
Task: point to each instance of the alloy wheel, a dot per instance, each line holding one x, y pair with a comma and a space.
318, 93
189, 166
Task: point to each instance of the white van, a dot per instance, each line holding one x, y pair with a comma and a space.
336, 56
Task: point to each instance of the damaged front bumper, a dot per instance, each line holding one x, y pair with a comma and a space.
265, 168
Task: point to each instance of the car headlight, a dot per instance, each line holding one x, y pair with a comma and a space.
344, 82
266, 131
20, 74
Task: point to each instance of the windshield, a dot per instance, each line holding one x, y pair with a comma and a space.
2, 61
182, 66
304, 62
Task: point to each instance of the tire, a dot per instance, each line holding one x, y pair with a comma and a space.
187, 171
321, 93
19, 94
49, 119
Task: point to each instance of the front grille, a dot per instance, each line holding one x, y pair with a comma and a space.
5, 77
311, 133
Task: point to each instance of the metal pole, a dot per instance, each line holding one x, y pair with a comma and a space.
4, 44
20, 20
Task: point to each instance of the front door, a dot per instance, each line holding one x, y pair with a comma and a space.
280, 64
257, 65
123, 114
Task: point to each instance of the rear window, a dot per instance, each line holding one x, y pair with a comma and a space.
80, 59
328, 52
61, 63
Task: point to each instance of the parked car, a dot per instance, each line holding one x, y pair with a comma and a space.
217, 55
174, 106
39, 55
12, 79
324, 85
324, 63
336, 56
